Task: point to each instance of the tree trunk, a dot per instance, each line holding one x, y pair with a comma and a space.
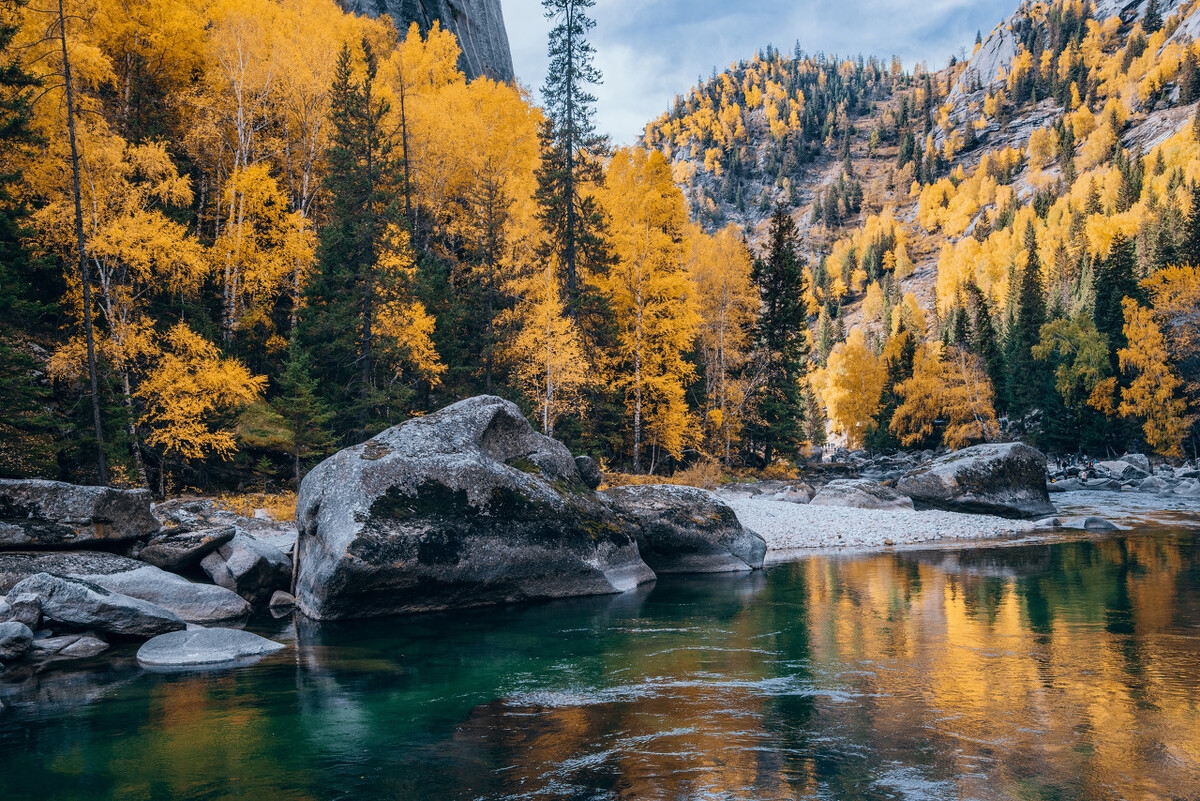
85, 277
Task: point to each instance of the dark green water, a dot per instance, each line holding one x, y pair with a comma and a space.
1067, 671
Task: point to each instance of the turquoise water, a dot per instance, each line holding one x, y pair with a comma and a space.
1066, 671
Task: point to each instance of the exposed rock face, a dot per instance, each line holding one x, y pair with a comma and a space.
688, 530
204, 647
83, 605
249, 567
860, 494
51, 514
195, 603
477, 24
176, 551
466, 507
1008, 480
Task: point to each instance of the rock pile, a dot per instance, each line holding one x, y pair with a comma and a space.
62, 582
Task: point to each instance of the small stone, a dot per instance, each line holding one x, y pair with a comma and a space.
71, 646
888, 543
1098, 524
281, 600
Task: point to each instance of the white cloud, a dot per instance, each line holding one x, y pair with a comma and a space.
652, 50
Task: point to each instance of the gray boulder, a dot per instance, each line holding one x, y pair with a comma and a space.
1008, 480
80, 604
282, 600
204, 647
1122, 471
15, 640
1101, 485
1139, 460
195, 603
465, 507
180, 550
249, 567
25, 608
68, 646
687, 530
858, 493
51, 514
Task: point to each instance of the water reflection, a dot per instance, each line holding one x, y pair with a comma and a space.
1048, 671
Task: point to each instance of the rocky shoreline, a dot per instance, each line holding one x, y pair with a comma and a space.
466, 507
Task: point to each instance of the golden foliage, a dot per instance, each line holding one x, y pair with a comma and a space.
949, 386
850, 387
187, 392
1153, 395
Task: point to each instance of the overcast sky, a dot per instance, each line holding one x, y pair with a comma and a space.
652, 50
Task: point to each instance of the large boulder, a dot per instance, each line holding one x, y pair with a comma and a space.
204, 647
82, 605
687, 530
180, 550
51, 514
860, 493
465, 507
1123, 471
1008, 480
1139, 460
195, 603
249, 567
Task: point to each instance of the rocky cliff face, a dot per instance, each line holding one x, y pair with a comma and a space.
478, 24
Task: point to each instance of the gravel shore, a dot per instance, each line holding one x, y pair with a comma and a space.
794, 527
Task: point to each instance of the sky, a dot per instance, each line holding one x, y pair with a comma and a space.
652, 50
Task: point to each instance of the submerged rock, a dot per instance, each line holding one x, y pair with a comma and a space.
687, 530
1098, 524
52, 514
81, 604
1008, 480
465, 507
858, 493
195, 603
204, 647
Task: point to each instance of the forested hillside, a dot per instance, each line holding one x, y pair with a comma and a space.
1003, 247
242, 233
239, 234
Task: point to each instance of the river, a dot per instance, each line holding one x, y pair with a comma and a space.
1039, 671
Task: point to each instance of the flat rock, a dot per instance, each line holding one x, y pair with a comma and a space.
249, 567
194, 603
1008, 480
180, 550
858, 493
69, 646
204, 647
464, 507
687, 530
81, 604
53, 514
15, 639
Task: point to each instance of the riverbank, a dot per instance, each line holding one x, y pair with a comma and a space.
788, 527
793, 529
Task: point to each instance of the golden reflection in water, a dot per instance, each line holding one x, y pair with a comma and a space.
989, 679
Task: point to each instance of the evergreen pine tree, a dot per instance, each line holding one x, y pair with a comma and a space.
363, 184
26, 428
1152, 22
782, 339
307, 415
1028, 375
1189, 248
1116, 280
571, 149
985, 343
